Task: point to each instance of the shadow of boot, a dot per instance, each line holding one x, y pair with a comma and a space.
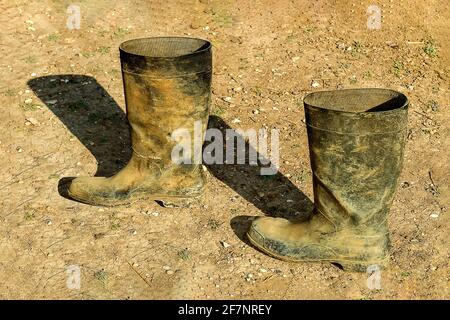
275, 195
91, 115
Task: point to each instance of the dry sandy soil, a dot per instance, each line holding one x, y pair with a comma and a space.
63, 116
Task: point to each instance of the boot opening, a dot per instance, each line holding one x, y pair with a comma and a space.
357, 100
164, 47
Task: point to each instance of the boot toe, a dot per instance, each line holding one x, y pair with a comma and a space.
84, 188
283, 239
267, 234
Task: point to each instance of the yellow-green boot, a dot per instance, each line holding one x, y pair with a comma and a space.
356, 141
167, 83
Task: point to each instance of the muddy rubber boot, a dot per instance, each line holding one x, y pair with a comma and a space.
167, 83
356, 141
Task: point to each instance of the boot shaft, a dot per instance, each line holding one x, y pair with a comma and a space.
356, 140
167, 84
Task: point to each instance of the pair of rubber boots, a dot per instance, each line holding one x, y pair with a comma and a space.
356, 140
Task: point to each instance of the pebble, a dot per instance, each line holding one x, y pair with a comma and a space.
227, 99
166, 268
51, 101
34, 74
295, 59
33, 121
225, 244
28, 101
153, 213
256, 111
195, 25
236, 120
434, 215
315, 84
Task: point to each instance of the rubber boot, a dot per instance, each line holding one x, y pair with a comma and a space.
356, 141
167, 83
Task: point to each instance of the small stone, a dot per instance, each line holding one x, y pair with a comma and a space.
51, 101
237, 89
235, 39
256, 111
287, 175
169, 272
28, 101
295, 59
236, 120
225, 244
33, 74
262, 270
167, 268
195, 25
315, 84
33, 121
227, 99
434, 215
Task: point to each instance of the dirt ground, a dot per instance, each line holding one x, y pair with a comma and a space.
63, 116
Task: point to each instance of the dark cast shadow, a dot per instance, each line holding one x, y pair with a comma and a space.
91, 115
275, 195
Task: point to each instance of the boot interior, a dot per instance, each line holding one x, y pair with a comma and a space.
164, 47
357, 100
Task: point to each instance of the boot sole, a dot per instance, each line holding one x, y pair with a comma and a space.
164, 200
347, 265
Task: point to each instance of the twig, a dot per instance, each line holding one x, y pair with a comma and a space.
60, 240
431, 178
424, 115
140, 276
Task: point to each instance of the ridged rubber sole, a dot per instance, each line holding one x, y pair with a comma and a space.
346, 264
